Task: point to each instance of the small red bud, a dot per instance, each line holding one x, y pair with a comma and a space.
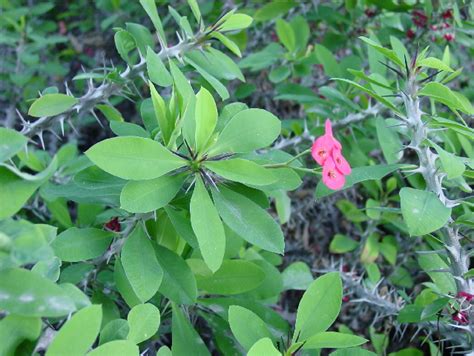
449, 37
369, 12
465, 295
434, 27
419, 18
345, 299
113, 225
461, 317
410, 34
446, 25
448, 14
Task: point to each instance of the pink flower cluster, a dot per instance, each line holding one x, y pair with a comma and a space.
327, 151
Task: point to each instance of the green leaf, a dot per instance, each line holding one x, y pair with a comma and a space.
342, 244
207, 226
246, 131
144, 321
152, 12
329, 62
399, 49
179, 284
236, 22
263, 347
51, 105
234, 277
140, 265
193, 4
14, 329
78, 334
27, 293
297, 276
433, 264
116, 329
141, 35
389, 141
319, 306
211, 79
161, 115
181, 83
157, 71
246, 326
110, 113
185, 340
128, 129
388, 53
242, 171
434, 63
231, 45
355, 351
452, 165
286, 35
74, 245
11, 142
360, 174
125, 43
117, 347
422, 211
279, 74
149, 195
206, 117
249, 220
123, 285
372, 93
444, 95
14, 192
333, 340
273, 9
134, 158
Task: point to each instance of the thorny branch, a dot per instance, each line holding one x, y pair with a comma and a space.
350, 119
459, 258
103, 92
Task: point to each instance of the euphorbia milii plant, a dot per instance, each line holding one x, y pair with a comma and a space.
327, 151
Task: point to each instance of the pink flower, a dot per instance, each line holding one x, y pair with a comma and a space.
341, 164
461, 317
333, 178
465, 295
327, 151
324, 145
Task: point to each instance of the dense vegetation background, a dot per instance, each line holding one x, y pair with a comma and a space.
199, 227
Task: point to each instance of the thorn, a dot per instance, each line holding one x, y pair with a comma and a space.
21, 117
406, 66
96, 118
73, 128
393, 69
55, 134
61, 124
415, 57
40, 136
430, 76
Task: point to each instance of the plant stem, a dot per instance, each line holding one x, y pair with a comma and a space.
103, 92
458, 257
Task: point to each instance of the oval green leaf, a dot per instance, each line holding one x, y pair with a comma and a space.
134, 158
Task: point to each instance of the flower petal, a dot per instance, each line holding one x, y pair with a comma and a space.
341, 164
321, 149
332, 178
